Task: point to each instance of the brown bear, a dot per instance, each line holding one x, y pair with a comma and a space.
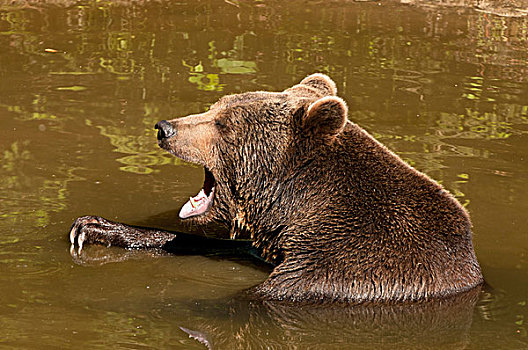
341, 217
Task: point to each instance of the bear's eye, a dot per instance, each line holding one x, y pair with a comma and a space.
220, 124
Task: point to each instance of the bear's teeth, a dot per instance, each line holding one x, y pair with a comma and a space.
196, 205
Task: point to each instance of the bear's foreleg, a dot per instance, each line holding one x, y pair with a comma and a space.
97, 230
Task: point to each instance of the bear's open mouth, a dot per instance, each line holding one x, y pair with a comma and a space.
200, 203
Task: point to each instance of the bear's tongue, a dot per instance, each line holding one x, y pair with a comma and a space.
197, 205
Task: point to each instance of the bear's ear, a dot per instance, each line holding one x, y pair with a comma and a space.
316, 84
325, 117
320, 82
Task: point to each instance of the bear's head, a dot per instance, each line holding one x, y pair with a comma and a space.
251, 144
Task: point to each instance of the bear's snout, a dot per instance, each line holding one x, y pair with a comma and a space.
165, 130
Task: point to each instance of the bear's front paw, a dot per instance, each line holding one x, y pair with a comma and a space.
84, 230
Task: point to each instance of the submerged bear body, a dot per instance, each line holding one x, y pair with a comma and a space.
342, 218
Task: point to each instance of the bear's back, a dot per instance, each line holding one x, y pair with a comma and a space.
381, 230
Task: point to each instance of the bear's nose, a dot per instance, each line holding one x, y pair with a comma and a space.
165, 129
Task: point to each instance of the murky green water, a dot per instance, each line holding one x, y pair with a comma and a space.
83, 83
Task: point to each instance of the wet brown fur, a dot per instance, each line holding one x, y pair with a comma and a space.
343, 218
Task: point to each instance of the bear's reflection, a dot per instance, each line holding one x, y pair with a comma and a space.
240, 323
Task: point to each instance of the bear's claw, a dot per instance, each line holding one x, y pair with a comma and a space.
78, 231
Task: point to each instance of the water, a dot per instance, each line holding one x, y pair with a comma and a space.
444, 84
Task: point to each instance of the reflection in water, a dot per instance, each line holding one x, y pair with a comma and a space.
29, 200
443, 83
246, 324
